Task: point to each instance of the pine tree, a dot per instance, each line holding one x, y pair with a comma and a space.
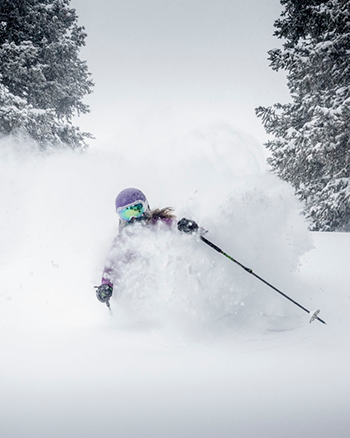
311, 145
42, 79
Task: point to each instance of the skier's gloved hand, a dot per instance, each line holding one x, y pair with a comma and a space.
104, 292
187, 226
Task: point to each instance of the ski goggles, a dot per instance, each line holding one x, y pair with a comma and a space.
134, 210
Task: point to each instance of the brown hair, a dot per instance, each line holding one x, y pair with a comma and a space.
152, 216
164, 213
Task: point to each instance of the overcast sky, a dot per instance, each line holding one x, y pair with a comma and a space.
179, 63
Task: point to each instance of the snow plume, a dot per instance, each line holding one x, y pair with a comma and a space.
218, 178
196, 346
58, 223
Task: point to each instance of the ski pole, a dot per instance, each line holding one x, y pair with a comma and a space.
109, 308
250, 271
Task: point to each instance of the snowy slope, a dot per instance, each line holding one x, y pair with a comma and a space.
195, 347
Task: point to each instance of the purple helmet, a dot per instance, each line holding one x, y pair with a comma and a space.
129, 196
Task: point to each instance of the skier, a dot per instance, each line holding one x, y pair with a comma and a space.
132, 207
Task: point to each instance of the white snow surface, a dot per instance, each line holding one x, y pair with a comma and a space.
195, 346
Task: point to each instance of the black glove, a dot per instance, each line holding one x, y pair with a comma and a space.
187, 226
104, 293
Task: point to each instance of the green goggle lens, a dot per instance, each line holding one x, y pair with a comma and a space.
135, 211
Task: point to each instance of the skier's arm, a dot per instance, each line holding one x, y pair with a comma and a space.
105, 290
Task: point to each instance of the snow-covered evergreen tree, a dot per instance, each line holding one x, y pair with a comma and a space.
311, 145
42, 79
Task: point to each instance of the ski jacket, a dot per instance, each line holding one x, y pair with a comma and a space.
109, 272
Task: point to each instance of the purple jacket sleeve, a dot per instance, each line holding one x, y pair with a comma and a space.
106, 280
108, 270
